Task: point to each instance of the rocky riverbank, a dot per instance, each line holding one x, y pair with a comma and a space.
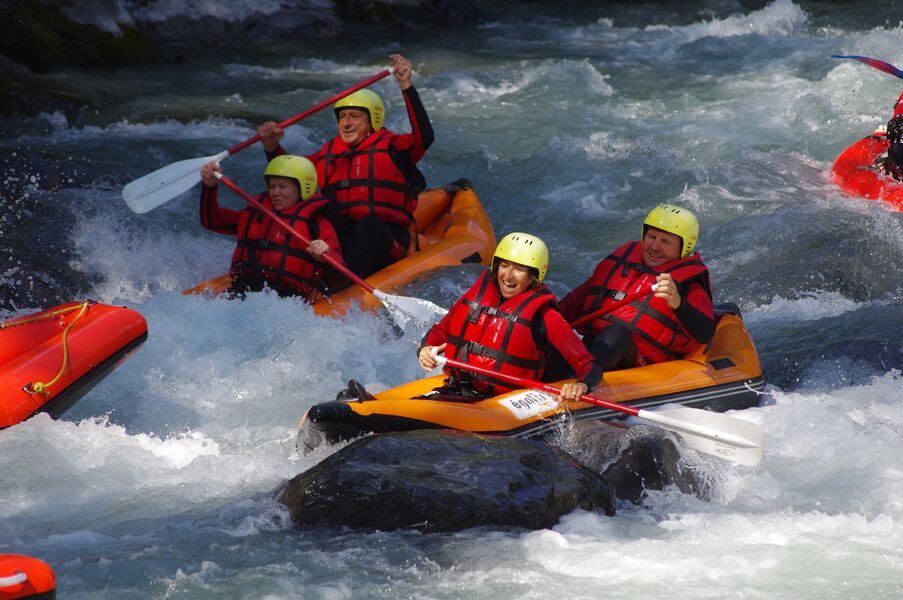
37, 37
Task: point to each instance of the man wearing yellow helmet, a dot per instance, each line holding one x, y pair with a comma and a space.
669, 323
265, 253
509, 322
369, 173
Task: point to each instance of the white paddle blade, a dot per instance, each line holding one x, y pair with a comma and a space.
404, 309
148, 192
714, 433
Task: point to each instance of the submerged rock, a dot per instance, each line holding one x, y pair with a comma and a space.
636, 460
444, 481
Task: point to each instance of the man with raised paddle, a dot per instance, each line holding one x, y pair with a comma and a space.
369, 173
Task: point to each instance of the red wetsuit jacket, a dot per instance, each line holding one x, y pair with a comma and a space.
659, 332
512, 336
379, 176
266, 251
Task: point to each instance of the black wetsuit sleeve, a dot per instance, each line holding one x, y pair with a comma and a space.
592, 379
699, 325
279, 151
588, 369
421, 127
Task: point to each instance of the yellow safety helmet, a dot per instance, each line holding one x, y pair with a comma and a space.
367, 101
523, 249
295, 167
674, 219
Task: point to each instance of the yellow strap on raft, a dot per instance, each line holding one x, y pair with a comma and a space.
41, 388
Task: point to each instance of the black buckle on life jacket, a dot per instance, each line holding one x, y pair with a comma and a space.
475, 311
486, 352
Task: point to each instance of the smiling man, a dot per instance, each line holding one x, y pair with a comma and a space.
665, 325
369, 173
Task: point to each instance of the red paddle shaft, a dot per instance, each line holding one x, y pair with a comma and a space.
604, 311
538, 385
313, 109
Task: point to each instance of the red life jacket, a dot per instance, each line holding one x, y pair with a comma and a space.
369, 180
656, 330
267, 251
488, 331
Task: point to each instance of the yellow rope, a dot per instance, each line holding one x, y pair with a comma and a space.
41, 388
41, 317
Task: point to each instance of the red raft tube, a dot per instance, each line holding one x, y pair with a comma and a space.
50, 359
854, 174
26, 577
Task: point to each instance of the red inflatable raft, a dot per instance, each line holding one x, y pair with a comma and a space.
26, 577
50, 359
854, 174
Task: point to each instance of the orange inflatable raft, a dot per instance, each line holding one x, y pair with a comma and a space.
50, 359
26, 577
452, 229
854, 174
724, 375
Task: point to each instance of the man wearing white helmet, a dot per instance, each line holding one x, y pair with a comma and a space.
509, 322
369, 173
677, 318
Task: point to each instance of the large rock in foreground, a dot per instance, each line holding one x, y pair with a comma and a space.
444, 481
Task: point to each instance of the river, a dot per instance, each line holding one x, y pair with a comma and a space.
572, 121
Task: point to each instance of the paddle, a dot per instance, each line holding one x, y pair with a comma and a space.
148, 192
713, 433
402, 308
604, 311
874, 62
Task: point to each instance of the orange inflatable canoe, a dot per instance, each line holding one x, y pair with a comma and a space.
50, 359
452, 229
853, 172
724, 375
26, 577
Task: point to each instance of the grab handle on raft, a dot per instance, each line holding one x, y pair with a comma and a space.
15, 579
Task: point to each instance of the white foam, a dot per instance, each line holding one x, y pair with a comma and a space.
808, 307
779, 18
233, 11
469, 89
